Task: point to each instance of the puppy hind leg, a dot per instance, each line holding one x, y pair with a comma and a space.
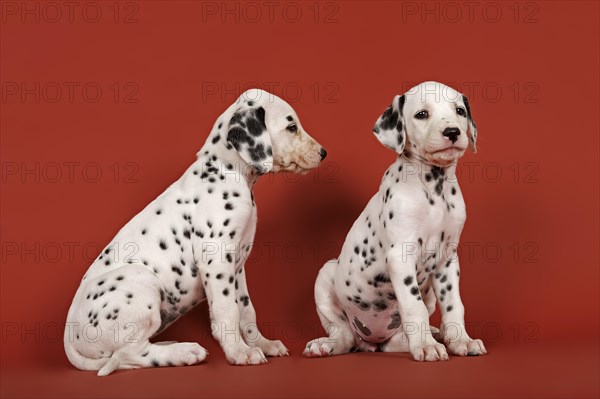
133, 317
171, 354
340, 337
141, 353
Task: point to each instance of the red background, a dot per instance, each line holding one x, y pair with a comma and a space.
530, 281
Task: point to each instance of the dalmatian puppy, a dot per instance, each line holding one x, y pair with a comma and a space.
399, 257
190, 245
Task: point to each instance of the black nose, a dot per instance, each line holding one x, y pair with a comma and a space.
323, 153
452, 133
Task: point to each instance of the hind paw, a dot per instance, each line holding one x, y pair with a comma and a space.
188, 353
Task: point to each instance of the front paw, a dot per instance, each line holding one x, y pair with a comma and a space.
429, 352
273, 348
319, 347
464, 347
245, 355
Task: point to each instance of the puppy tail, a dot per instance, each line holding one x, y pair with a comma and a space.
81, 361
110, 366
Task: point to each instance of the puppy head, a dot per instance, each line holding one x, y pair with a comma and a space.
267, 134
432, 120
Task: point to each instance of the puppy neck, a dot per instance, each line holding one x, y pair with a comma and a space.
432, 177
425, 166
222, 159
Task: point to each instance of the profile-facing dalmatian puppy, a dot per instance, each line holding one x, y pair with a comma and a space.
190, 245
400, 255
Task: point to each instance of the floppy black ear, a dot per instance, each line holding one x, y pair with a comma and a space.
248, 134
472, 127
389, 128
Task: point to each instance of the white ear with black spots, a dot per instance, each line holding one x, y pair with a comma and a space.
472, 127
247, 133
389, 128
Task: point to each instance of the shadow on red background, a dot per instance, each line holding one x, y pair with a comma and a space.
166, 70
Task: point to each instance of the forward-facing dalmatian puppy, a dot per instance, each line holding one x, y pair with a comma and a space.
400, 254
190, 245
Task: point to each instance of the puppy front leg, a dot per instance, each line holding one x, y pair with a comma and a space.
413, 312
452, 329
218, 274
249, 328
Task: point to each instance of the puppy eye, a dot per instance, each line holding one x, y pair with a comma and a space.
461, 111
422, 114
292, 128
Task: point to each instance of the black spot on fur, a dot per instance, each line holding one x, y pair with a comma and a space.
362, 328
380, 304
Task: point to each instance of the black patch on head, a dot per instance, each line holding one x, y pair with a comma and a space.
245, 126
468, 108
238, 136
257, 153
389, 119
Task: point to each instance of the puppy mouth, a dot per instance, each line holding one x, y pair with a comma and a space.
449, 150
294, 167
